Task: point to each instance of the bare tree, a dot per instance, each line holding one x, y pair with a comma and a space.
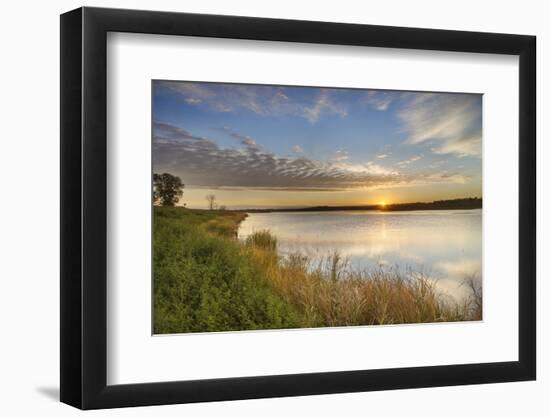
211, 198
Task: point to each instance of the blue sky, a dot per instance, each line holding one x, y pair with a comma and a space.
275, 146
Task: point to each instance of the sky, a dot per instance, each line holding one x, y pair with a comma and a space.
263, 146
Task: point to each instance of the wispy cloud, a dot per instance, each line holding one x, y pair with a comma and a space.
367, 167
450, 122
297, 149
192, 100
379, 100
261, 100
340, 155
324, 104
409, 161
243, 139
199, 161
465, 146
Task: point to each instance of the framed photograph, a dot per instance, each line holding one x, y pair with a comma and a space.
257, 208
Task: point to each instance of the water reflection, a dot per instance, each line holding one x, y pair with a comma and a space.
445, 244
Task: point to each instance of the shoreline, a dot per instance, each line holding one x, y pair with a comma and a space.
337, 209
474, 203
456, 204
206, 280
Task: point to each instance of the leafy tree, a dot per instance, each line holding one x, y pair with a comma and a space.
167, 189
211, 198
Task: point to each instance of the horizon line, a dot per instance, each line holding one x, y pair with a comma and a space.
365, 205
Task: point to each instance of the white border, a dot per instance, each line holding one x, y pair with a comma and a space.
134, 356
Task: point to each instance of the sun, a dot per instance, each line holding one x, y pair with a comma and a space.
382, 203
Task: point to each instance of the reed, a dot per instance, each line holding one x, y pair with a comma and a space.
331, 292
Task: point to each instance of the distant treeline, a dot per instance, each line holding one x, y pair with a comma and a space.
456, 204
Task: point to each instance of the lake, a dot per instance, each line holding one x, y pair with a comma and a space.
444, 244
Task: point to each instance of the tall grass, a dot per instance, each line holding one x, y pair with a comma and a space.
262, 240
206, 280
474, 302
333, 293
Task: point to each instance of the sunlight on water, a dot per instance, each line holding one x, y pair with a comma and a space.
446, 244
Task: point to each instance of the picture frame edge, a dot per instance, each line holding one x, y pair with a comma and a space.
83, 319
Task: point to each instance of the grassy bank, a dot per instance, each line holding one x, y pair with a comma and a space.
206, 280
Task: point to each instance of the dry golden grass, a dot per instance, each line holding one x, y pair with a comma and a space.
332, 293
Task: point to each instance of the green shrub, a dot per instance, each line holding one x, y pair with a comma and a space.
204, 281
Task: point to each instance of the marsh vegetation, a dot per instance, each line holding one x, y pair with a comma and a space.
205, 279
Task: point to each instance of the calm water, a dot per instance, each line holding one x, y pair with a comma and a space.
444, 244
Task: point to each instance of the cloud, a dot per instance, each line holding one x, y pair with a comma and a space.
324, 104
382, 155
368, 167
259, 99
221, 97
451, 123
439, 163
442, 177
340, 155
169, 133
467, 146
243, 139
297, 149
249, 141
199, 161
192, 100
379, 100
409, 161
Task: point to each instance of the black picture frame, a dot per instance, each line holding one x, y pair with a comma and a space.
84, 207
